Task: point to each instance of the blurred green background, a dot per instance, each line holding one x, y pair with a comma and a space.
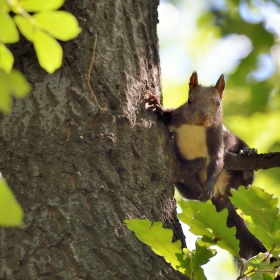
241, 40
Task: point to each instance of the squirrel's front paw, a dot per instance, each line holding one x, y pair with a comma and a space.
248, 151
151, 102
208, 193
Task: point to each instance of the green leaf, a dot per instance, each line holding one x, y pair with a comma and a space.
258, 204
8, 30
6, 58
262, 267
204, 220
40, 5
202, 254
196, 258
25, 27
262, 276
198, 274
191, 269
19, 86
4, 7
275, 248
265, 237
11, 83
159, 239
185, 261
5, 99
59, 24
264, 214
49, 51
11, 213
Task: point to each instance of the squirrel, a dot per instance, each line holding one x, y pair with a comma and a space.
199, 133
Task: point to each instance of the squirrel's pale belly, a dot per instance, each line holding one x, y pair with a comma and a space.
191, 141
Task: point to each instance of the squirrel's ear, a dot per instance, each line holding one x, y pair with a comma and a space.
193, 80
220, 85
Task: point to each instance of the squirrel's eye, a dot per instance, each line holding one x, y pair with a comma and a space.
218, 103
189, 100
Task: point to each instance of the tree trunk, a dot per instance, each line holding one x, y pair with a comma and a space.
78, 174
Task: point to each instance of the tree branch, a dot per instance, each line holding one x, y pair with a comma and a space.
256, 162
182, 170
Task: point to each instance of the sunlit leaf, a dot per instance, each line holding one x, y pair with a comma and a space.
198, 274
202, 253
262, 266
196, 258
262, 276
11, 213
275, 248
15, 6
204, 220
265, 219
258, 204
25, 27
264, 236
4, 7
8, 30
60, 24
6, 58
5, 99
18, 84
158, 238
48, 50
11, 83
40, 5
185, 261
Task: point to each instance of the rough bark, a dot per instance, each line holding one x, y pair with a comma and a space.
78, 176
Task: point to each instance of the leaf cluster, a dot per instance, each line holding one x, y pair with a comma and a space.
160, 240
263, 220
262, 217
41, 23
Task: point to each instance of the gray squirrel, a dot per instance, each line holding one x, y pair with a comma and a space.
199, 133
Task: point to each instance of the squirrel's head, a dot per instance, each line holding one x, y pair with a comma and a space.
220, 85
204, 103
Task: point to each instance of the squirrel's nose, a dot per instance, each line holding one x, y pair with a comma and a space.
203, 115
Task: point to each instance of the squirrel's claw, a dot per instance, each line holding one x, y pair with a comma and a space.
208, 194
152, 103
248, 151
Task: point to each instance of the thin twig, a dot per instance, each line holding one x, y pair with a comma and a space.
92, 56
254, 269
102, 110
